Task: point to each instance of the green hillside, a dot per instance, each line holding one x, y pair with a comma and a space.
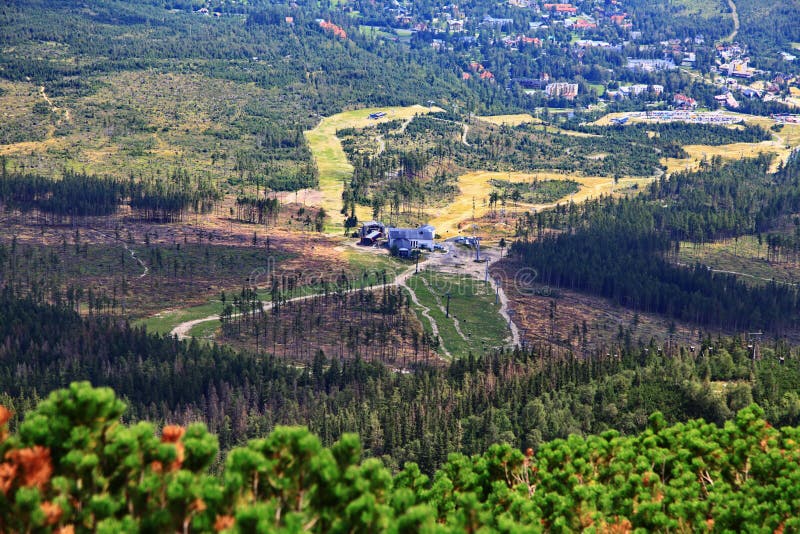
73, 467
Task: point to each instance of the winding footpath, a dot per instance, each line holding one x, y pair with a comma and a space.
183, 330
426, 313
442, 308
382, 142
53, 107
737, 273
132, 252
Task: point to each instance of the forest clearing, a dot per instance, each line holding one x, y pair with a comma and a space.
473, 322
782, 143
475, 187
474, 311
328, 264
573, 321
139, 123
332, 164
698, 153
753, 262
511, 120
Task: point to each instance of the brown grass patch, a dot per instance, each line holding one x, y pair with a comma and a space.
511, 120
604, 321
475, 186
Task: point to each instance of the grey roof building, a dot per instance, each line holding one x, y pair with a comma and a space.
407, 239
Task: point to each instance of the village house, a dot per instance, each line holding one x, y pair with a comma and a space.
483, 73
493, 22
629, 91
649, 65
455, 26
622, 21
404, 19
781, 79
684, 102
512, 41
589, 43
583, 24
728, 52
727, 100
370, 232
531, 84
739, 68
750, 93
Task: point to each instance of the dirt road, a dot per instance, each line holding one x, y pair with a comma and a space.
455, 261
182, 330
736, 24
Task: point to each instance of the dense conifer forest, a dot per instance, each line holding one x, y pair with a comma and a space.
522, 397
62, 199
623, 249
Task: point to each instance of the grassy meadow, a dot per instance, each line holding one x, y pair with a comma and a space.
475, 322
326, 148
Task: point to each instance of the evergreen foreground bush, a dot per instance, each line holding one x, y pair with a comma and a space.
73, 467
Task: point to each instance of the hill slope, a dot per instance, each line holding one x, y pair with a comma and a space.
73, 467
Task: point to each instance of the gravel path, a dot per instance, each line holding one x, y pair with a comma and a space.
455, 261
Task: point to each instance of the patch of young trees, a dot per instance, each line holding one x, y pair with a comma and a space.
256, 210
679, 133
73, 195
371, 324
534, 192
171, 199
